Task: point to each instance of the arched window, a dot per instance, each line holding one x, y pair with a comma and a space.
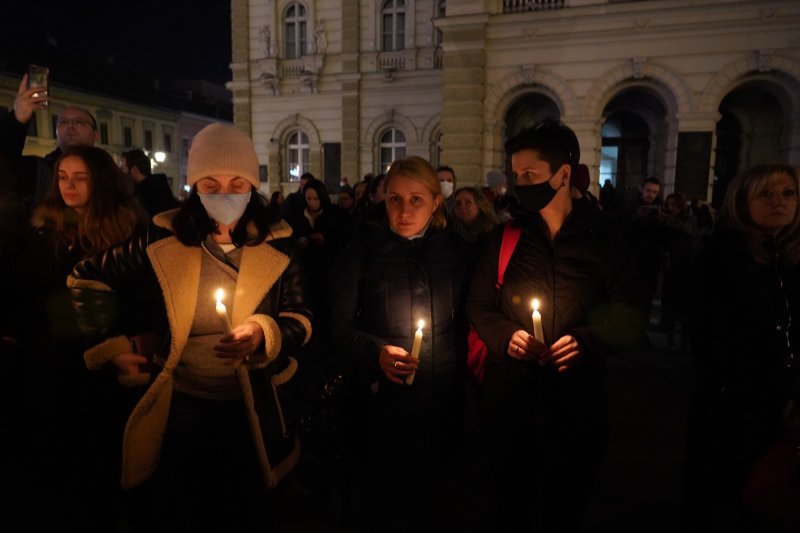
294, 31
392, 146
297, 150
393, 17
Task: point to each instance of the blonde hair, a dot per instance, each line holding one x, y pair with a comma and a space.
735, 213
487, 217
419, 170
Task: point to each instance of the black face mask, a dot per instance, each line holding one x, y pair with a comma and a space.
536, 197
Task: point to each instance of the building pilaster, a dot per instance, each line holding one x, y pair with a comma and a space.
462, 94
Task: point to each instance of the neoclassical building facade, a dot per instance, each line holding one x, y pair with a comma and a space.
690, 91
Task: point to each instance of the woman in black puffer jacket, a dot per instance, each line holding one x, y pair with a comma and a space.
402, 267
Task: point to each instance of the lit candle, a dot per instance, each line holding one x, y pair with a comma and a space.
222, 313
415, 348
538, 333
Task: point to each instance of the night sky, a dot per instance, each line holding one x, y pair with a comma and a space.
102, 45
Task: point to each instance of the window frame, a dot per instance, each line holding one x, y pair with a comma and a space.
393, 39
298, 152
396, 146
295, 16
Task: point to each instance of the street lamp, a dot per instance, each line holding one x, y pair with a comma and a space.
160, 157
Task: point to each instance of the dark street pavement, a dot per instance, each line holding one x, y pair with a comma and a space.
639, 488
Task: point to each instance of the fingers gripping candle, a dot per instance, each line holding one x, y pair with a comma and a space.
415, 348
222, 313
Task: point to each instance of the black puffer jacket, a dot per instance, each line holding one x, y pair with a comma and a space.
588, 288
381, 286
741, 313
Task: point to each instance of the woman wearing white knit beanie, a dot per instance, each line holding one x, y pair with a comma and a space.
212, 430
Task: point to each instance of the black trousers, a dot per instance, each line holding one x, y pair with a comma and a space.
208, 477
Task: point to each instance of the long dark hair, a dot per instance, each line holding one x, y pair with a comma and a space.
322, 193
192, 225
111, 215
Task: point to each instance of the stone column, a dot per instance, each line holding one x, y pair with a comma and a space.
240, 65
351, 100
588, 132
463, 93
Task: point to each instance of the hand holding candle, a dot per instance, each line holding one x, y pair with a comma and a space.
222, 313
415, 348
536, 317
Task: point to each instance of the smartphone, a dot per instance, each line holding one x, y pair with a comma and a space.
38, 77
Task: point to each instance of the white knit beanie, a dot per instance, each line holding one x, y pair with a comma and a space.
222, 149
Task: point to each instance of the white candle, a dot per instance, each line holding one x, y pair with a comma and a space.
415, 348
222, 313
538, 332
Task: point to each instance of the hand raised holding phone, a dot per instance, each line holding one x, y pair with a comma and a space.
33, 93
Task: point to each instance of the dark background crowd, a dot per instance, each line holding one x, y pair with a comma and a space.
720, 282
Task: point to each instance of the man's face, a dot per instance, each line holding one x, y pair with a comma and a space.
345, 201
650, 193
123, 166
445, 175
74, 128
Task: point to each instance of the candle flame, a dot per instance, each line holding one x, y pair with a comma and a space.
535, 304
420, 324
220, 295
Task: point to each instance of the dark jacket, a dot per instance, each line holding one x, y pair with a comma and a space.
587, 286
740, 313
380, 287
155, 194
34, 175
270, 292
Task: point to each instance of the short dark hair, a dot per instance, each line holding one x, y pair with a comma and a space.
347, 191
445, 168
375, 183
192, 224
307, 176
553, 140
651, 179
137, 158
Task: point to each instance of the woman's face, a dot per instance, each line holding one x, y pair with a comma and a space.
410, 205
345, 201
774, 207
671, 206
223, 184
312, 201
73, 182
466, 209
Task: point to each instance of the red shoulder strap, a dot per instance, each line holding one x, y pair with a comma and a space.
511, 236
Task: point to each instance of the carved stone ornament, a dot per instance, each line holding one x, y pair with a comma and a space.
764, 60
637, 65
526, 73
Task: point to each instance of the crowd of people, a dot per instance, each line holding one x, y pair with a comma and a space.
165, 359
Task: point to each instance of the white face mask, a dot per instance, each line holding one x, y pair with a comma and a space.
225, 208
447, 188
